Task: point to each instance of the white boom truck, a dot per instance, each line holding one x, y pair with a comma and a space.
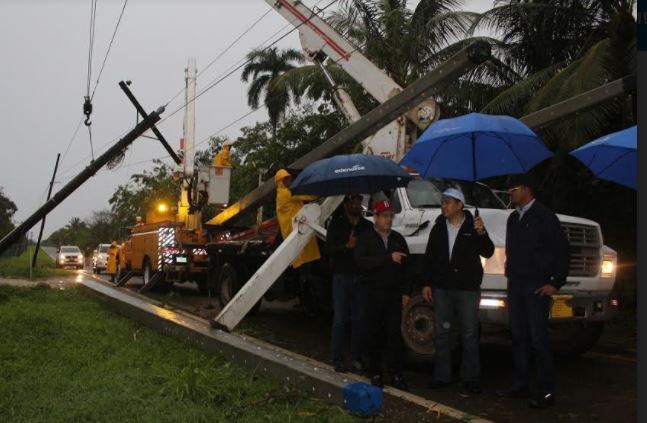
584, 303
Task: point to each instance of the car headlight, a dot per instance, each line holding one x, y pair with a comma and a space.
608, 266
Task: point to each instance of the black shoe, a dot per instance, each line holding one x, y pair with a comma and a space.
470, 388
542, 401
437, 384
339, 366
376, 380
514, 392
357, 366
398, 382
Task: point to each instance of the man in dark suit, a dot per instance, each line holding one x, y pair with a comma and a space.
453, 269
343, 231
537, 260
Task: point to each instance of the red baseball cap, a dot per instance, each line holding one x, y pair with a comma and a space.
381, 206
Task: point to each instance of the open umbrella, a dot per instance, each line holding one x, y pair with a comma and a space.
612, 157
476, 146
351, 173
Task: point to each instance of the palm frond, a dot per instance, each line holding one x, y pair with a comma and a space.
513, 100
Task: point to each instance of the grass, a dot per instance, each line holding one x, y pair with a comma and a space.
67, 358
18, 267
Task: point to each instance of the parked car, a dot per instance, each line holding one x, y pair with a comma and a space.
69, 256
100, 258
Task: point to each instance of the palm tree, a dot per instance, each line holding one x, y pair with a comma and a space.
562, 48
263, 68
408, 43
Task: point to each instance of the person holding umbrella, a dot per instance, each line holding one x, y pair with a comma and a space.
345, 227
537, 261
453, 268
385, 281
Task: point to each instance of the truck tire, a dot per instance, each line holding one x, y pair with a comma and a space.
229, 283
147, 274
418, 331
574, 338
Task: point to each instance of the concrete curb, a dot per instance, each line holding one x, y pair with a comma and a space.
316, 378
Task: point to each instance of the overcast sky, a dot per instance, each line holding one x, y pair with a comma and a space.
43, 77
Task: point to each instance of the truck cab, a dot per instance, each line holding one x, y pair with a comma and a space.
579, 309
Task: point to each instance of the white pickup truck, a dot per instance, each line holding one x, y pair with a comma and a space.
581, 306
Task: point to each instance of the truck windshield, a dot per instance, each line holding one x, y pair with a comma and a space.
70, 250
104, 248
424, 193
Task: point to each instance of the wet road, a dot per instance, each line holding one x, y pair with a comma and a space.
597, 386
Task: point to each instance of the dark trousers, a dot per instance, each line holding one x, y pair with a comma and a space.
383, 313
347, 303
450, 303
529, 326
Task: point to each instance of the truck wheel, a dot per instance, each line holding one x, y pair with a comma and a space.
571, 339
229, 284
418, 330
147, 274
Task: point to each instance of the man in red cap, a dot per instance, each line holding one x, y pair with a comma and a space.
384, 280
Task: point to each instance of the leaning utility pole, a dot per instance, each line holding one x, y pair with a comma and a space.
147, 123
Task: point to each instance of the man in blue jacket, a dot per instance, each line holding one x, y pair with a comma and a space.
537, 260
454, 272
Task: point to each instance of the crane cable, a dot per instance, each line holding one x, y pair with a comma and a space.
87, 103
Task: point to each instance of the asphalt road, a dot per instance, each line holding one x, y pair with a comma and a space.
597, 386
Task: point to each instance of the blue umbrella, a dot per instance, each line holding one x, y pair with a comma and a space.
351, 173
612, 157
476, 146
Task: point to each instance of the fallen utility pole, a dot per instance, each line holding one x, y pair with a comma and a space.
80, 179
580, 102
425, 87
42, 223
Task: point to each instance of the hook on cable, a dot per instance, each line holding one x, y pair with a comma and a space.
87, 111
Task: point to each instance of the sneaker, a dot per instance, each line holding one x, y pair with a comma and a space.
357, 366
468, 389
437, 384
398, 382
339, 367
376, 380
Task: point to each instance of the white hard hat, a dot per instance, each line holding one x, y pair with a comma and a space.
454, 193
228, 142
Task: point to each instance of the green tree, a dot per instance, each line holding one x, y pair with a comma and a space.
263, 69
141, 193
7, 210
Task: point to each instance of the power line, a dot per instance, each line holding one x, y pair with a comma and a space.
222, 53
109, 47
227, 75
220, 79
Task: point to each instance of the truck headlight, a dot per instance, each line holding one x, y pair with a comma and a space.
492, 303
61, 257
608, 267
